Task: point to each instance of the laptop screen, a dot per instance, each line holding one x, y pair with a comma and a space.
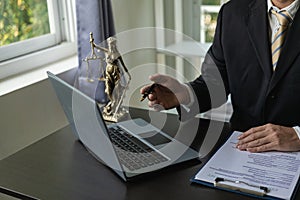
87, 123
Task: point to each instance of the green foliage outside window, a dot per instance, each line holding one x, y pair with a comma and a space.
210, 20
211, 2
22, 19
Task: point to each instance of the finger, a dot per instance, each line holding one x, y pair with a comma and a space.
158, 78
151, 104
158, 107
254, 143
251, 131
252, 137
152, 97
262, 148
145, 89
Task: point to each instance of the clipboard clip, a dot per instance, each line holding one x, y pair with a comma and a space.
241, 186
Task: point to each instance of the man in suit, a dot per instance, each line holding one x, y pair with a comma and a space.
248, 61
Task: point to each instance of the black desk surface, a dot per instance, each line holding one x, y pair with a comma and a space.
59, 167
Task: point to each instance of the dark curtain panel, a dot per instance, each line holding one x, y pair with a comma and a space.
92, 16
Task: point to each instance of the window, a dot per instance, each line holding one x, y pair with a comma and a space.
23, 20
194, 24
34, 33
209, 10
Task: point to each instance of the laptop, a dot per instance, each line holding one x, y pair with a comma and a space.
130, 148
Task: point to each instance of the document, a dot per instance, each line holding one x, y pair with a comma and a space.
273, 174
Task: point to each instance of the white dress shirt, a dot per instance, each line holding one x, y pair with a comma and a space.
274, 27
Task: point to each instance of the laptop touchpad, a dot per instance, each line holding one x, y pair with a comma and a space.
155, 138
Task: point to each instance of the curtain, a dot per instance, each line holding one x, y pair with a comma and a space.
92, 16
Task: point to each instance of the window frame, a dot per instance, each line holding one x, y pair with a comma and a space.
36, 52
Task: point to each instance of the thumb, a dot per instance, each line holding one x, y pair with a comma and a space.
159, 78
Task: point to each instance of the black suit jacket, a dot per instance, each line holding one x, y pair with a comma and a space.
239, 62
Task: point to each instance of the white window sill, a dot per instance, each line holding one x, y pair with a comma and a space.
22, 80
186, 49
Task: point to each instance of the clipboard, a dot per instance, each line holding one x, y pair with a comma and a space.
237, 189
219, 179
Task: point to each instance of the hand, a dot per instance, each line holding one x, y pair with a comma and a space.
269, 137
169, 93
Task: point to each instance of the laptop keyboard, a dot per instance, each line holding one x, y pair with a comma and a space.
132, 152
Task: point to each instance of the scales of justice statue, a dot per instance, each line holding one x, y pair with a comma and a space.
115, 68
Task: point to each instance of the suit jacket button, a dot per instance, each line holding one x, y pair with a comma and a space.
273, 97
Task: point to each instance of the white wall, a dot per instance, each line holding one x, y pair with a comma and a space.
130, 15
133, 14
27, 115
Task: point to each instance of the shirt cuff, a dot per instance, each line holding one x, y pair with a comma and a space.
191, 97
297, 129
190, 91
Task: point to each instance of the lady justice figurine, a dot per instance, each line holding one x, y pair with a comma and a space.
115, 67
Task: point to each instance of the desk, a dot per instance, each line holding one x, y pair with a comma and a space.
59, 167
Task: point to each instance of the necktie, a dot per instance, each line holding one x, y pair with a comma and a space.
284, 20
